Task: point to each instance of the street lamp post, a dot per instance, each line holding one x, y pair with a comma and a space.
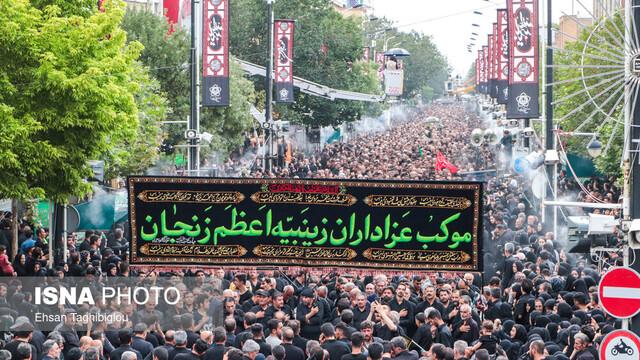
194, 120
268, 154
386, 42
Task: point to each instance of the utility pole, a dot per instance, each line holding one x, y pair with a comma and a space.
269, 131
193, 164
631, 156
549, 135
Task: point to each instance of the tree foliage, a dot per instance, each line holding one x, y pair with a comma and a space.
135, 149
327, 47
65, 88
588, 111
167, 56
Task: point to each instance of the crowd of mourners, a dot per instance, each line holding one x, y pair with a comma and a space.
407, 151
535, 301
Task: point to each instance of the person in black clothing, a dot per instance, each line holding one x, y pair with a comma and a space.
430, 300
386, 326
21, 335
328, 342
217, 349
310, 315
198, 349
138, 342
298, 341
292, 352
124, 336
422, 336
443, 334
180, 337
357, 339
509, 260
160, 353
249, 319
399, 350
487, 340
260, 309
258, 336
446, 301
277, 304
240, 282
230, 329
361, 310
231, 311
521, 312
466, 329
404, 308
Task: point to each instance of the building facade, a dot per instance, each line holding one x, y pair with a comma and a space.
569, 29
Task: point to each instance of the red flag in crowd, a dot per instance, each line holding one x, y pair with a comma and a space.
443, 163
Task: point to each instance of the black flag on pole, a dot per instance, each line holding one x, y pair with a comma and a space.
284, 60
503, 57
524, 85
215, 53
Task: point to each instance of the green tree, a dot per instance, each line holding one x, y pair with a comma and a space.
573, 104
65, 89
135, 149
327, 49
167, 56
229, 123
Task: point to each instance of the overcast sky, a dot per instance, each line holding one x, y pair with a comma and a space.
449, 22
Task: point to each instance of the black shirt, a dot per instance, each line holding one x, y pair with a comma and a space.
383, 332
293, 352
189, 356
354, 357
13, 349
336, 349
177, 351
215, 352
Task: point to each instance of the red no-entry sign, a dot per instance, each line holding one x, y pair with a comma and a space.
620, 345
619, 292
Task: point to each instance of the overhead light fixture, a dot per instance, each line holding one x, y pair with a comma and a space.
477, 12
474, 33
594, 148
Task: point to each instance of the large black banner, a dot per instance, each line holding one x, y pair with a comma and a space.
364, 224
523, 102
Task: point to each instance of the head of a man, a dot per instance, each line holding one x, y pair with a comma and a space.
398, 345
51, 348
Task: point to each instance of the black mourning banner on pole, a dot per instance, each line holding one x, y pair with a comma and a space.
523, 59
283, 30
365, 224
485, 78
215, 53
503, 57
